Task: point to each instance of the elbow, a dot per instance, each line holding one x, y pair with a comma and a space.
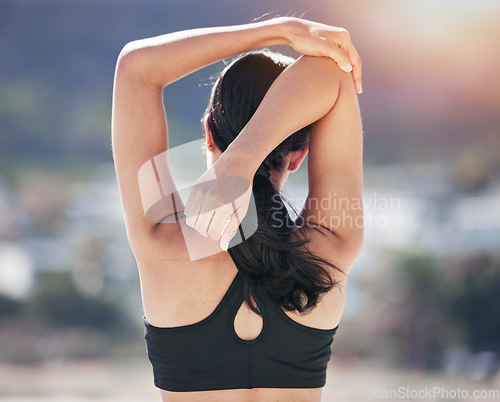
136, 61
323, 77
127, 57
131, 59
324, 67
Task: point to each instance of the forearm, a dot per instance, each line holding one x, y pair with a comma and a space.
304, 93
164, 59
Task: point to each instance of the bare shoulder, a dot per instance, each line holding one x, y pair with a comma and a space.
325, 244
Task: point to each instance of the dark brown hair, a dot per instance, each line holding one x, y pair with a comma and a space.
277, 270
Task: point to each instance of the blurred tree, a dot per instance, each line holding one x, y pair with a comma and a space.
58, 303
420, 322
473, 301
445, 303
9, 307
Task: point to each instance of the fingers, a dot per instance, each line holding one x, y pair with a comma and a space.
230, 230
356, 68
205, 214
315, 39
337, 54
203, 222
346, 56
192, 217
190, 200
219, 221
208, 218
220, 225
197, 191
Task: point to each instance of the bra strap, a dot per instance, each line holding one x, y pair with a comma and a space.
235, 291
234, 295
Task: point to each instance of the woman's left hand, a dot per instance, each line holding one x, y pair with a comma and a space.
315, 39
218, 202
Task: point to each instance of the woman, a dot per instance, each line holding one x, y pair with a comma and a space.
254, 319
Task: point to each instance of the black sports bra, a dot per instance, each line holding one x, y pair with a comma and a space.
209, 355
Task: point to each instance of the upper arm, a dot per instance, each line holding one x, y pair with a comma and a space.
139, 134
335, 172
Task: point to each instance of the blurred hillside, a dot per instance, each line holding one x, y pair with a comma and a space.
430, 76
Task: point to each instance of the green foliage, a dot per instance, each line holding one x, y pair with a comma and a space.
446, 303
474, 301
420, 324
59, 304
9, 307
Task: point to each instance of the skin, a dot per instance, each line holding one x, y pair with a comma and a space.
177, 290
291, 161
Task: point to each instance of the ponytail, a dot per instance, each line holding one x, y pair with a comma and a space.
277, 269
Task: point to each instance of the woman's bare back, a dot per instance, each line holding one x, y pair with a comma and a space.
177, 291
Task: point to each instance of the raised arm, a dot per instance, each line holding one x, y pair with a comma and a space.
311, 90
146, 66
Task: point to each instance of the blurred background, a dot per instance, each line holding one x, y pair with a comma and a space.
423, 300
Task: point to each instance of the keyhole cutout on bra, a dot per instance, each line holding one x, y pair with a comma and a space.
247, 324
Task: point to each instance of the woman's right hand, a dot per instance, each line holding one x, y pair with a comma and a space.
219, 200
315, 39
